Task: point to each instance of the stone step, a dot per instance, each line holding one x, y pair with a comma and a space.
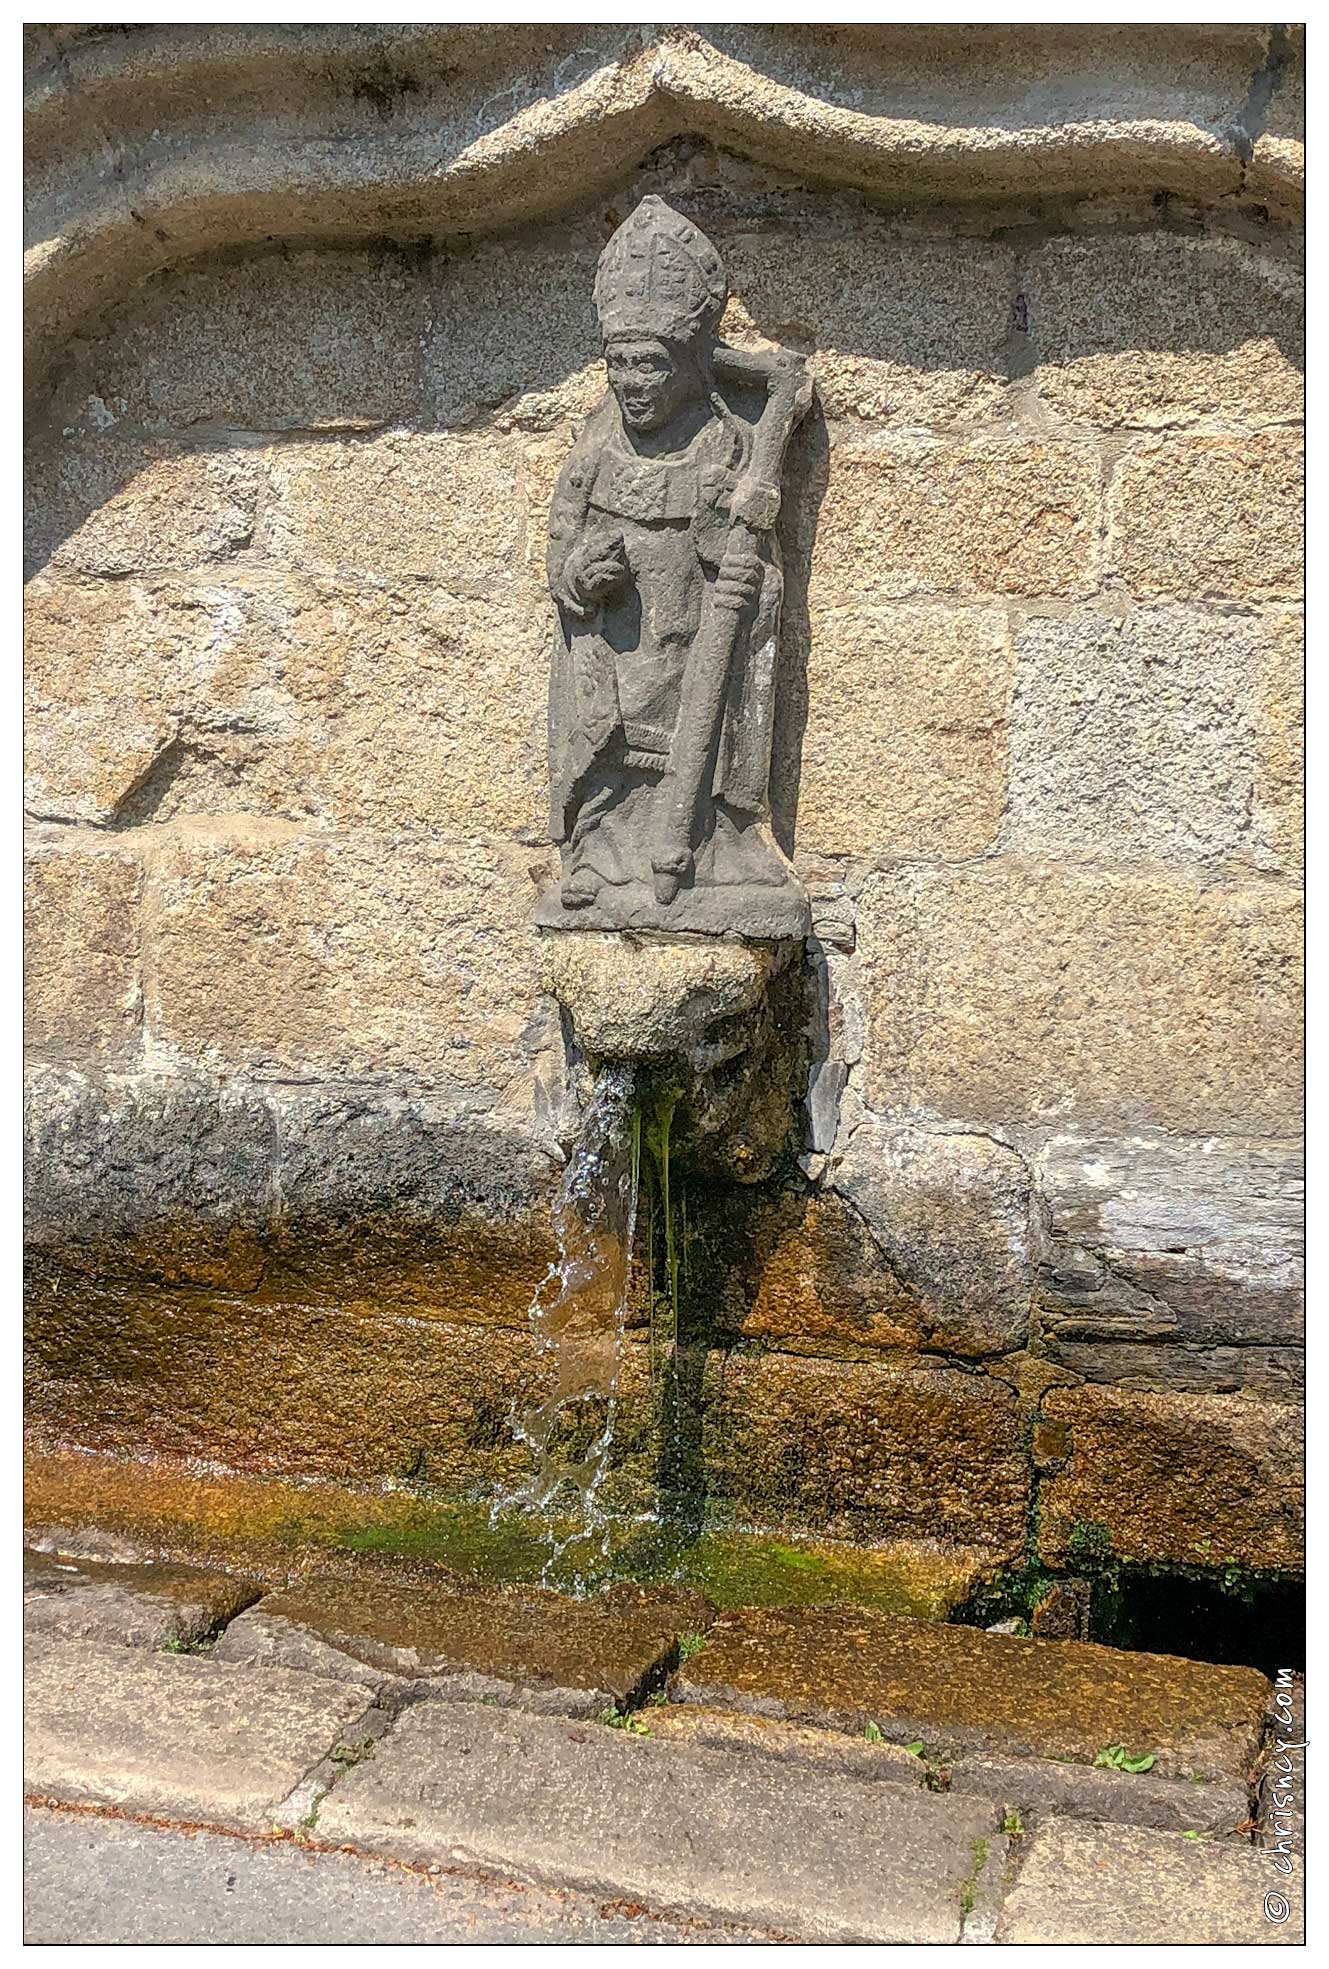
1085, 1883
784, 1743
150, 1606
1027, 1787
818, 1856
178, 1736
1037, 1787
960, 1690
504, 1644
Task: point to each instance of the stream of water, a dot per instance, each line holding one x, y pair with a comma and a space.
577, 1319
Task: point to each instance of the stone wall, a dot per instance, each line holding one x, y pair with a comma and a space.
296, 1099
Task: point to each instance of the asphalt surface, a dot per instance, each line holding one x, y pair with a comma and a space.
91, 1879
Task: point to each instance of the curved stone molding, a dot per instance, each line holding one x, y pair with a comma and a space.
146, 146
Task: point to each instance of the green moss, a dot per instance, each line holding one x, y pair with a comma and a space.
1089, 1545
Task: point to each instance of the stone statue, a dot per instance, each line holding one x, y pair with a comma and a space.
665, 569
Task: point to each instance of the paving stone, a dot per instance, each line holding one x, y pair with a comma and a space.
141, 1606
175, 1736
1083, 1883
786, 1743
701, 1831
510, 1645
958, 1689
1035, 1786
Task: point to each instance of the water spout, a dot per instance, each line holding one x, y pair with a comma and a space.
577, 1320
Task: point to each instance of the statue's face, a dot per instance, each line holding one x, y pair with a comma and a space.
649, 381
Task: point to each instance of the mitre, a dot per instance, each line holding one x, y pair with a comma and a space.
658, 278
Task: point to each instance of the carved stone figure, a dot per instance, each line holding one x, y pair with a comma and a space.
665, 569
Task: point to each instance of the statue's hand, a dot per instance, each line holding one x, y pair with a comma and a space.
755, 501
590, 572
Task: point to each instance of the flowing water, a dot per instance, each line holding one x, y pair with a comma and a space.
577, 1318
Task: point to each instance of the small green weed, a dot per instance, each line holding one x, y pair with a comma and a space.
619, 1719
689, 1645
969, 1892
872, 1732
916, 1749
1013, 1826
349, 1754
1114, 1757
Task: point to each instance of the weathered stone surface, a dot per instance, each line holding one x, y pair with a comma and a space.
810, 1275
929, 684
1161, 328
261, 692
513, 328
138, 1606
351, 1197
477, 131
96, 705
408, 505
867, 1451
112, 507
1181, 1480
175, 1735
107, 1508
360, 957
1277, 168
1034, 1786
636, 998
1280, 742
1082, 1883
172, 1179
900, 331
490, 1644
427, 709
1198, 1241
1024, 992
796, 1850
1134, 739
997, 515
339, 1391
1276, 1374
829, 1751
1210, 516
267, 342
957, 1689
951, 1216
82, 979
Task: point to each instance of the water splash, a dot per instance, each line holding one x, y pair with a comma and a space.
577, 1320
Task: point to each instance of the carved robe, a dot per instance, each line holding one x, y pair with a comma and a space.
618, 673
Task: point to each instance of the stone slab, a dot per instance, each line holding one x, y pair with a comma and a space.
1035, 1786
958, 1689
695, 1830
1172, 1239
786, 1743
1088, 1883
140, 1606
507, 1645
176, 1736
89, 1879
1180, 1480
